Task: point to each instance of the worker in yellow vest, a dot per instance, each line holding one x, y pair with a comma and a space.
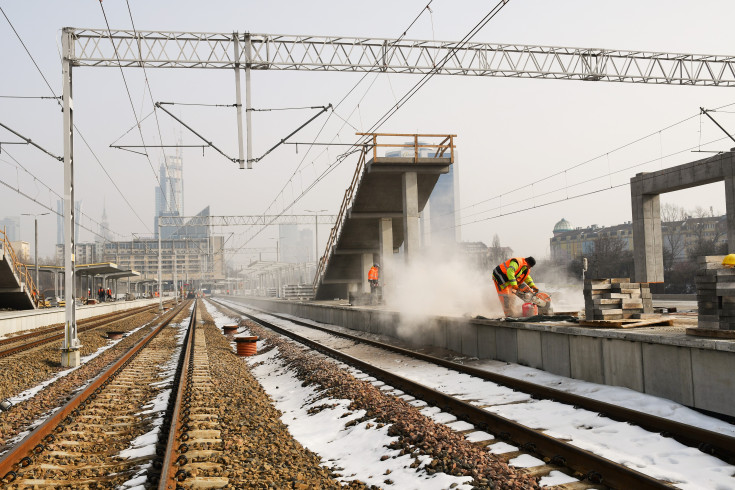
511, 276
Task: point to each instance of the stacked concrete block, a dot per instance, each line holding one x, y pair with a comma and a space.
616, 299
715, 294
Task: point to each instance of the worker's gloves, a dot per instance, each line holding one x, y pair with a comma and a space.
535, 289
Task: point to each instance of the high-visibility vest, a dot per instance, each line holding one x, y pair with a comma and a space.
373, 274
500, 273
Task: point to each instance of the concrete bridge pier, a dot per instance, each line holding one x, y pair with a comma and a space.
411, 233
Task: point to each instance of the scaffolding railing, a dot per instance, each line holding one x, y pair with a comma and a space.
19, 268
411, 149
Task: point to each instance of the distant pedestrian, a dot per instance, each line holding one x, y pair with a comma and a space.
109, 294
100, 294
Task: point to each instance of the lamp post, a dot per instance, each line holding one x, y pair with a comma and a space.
35, 246
316, 233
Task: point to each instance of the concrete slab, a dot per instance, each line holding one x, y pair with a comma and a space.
555, 353
506, 343
586, 359
529, 349
714, 382
486, 348
468, 333
667, 372
622, 364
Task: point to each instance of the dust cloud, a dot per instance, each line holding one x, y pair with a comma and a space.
437, 283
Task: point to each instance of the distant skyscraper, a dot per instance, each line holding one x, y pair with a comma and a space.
60, 220
104, 230
296, 244
12, 227
170, 194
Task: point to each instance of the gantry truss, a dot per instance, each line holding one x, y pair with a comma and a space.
163, 49
251, 220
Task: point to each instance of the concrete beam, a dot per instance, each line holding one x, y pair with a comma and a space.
355, 251
341, 281
354, 215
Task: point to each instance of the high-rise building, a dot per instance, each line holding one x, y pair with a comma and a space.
60, 220
170, 194
12, 227
296, 244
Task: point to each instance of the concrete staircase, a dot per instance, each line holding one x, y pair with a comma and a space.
16, 283
379, 211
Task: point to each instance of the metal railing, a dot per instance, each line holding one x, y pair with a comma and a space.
440, 149
19, 268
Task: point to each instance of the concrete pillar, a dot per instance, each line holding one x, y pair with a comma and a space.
730, 209
386, 247
367, 263
411, 233
647, 237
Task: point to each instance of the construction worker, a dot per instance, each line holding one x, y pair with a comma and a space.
373, 275
510, 277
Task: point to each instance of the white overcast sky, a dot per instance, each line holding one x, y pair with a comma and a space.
510, 131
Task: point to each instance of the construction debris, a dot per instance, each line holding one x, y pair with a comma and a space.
617, 299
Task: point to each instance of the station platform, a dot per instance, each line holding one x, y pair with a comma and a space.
16, 321
660, 361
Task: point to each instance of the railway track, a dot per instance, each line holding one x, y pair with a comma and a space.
584, 465
194, 451
81, 444
52, 334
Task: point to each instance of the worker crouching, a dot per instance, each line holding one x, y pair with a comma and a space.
510, 277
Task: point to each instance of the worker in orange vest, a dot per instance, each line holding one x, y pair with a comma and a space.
511, 276
373, 275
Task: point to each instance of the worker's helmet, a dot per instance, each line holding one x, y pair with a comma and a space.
729, 261
530, 261
376, 265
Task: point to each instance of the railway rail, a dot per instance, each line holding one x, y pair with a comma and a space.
584, 464
51, 334
77, 446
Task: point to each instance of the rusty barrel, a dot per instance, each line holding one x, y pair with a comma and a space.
112, 335
230, 330
246, 346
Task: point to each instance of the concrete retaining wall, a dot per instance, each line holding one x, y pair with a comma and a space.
15, 321
692, 371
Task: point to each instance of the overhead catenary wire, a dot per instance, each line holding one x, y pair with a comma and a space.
135, 113
28, 97
568, 198
321, 129
32, 143
590, 160
58, 101
52, 191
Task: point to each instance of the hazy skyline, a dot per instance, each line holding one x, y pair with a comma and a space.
510, 131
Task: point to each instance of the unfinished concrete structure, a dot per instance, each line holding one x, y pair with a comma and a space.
645, 190
380, 211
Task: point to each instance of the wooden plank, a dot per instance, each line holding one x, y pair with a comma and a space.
711, 332
626, 323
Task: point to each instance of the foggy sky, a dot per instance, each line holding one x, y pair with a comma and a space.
510, 131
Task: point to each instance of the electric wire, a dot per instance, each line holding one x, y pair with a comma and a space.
588, 161
132, 106
568, 198
58, 101
52, 191
27, 97
338, 105
158, 125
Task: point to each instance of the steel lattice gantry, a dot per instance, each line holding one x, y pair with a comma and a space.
248, 220
247, 51
163, 49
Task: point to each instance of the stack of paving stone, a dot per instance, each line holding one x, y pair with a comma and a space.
616, 299
715, 294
